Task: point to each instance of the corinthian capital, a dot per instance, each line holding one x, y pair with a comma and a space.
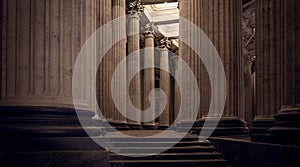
165, 43
135, 7
150, 28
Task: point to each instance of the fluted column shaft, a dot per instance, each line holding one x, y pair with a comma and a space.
41, 40
268, 51
106, 67
149, 78
165, 85
134, 65
188, 10
220, 20
40, 43
287, 120
119, 54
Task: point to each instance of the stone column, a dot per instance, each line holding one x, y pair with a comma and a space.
268, 51
40, 43
165, 84
39, 52
119, 54
149, 74
106, 67
287, 129
133, 43
221, 21
188, 10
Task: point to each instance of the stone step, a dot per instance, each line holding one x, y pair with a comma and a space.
157, 144
167, 156
170, 163
189, 149
175, 152
121, 139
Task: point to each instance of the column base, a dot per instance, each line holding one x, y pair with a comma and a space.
149, 126
287, 126
40, 136
47, 122
227, 126
135, 126
262, 125
163, 127
120, 126
260, 128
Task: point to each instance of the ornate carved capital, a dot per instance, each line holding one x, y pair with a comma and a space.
135, 7
150, 28
165, 43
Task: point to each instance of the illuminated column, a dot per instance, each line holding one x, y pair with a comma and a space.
190, 11
149, 74
106, 67
165, 84
119, 54
134, 65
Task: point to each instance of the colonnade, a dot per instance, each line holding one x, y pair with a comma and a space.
41, 41
143, 82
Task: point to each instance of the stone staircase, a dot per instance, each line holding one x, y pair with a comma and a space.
189, 152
